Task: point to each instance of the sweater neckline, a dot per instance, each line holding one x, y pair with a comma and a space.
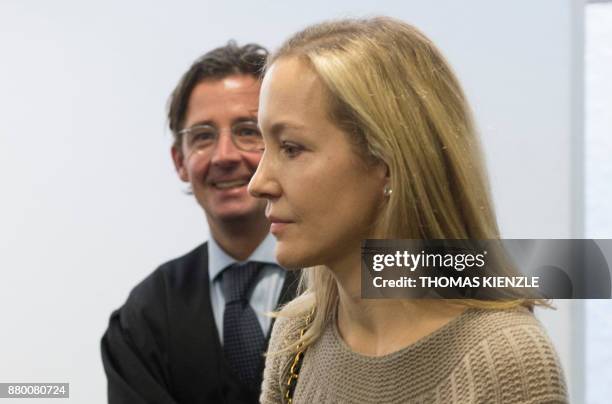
346, 349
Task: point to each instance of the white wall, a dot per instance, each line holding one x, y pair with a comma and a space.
89, 202
598, 170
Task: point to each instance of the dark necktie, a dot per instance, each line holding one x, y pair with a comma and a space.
243, 339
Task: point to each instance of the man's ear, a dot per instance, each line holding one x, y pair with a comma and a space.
179, 163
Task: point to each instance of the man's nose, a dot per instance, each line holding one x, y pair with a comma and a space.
225, 151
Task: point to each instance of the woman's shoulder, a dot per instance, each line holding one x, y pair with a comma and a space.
512, 352
478, 325
285, 332
517, 328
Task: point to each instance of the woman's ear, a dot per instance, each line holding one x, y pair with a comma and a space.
387, 190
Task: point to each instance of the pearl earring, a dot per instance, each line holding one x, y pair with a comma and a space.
387, 191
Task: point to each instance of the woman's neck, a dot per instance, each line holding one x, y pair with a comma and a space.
377, 327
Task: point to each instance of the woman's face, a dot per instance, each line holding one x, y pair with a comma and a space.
322, 198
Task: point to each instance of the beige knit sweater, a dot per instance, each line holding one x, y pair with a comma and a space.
482, 356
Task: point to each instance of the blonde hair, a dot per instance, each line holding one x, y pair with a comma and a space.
395, 95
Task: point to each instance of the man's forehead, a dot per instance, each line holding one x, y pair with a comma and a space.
237, 83
240, 82
229, 90
227, 99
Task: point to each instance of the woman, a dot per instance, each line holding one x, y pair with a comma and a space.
368, 135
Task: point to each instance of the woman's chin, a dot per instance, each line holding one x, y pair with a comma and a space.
289, 263
292, 259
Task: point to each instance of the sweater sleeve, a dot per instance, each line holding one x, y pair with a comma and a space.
277, 360
515, 365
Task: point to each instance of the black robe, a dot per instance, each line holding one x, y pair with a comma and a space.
162, 345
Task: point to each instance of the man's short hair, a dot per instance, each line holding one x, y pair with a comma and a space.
217, 64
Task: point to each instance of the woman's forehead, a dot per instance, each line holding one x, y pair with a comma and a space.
291, 91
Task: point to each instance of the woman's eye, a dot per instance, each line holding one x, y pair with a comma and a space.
291, 149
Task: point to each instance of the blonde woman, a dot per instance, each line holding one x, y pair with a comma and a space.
368, 135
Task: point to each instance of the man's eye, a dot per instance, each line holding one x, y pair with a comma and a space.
200, 136
248, 131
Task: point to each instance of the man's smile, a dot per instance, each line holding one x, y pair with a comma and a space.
230, 183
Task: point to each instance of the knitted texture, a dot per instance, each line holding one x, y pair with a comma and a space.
482, 356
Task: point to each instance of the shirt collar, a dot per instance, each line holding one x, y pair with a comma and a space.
218, 259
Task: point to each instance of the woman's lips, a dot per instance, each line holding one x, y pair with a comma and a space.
277, 225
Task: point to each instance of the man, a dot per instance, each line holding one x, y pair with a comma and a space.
194, 331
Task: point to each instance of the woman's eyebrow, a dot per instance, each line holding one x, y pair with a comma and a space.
277, 128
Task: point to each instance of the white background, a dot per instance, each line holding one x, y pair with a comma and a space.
598, 177
89, 202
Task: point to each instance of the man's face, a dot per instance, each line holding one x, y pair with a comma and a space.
219, 175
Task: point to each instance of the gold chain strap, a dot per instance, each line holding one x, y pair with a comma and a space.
294, 370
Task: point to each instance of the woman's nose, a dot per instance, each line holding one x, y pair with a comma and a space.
263, 183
